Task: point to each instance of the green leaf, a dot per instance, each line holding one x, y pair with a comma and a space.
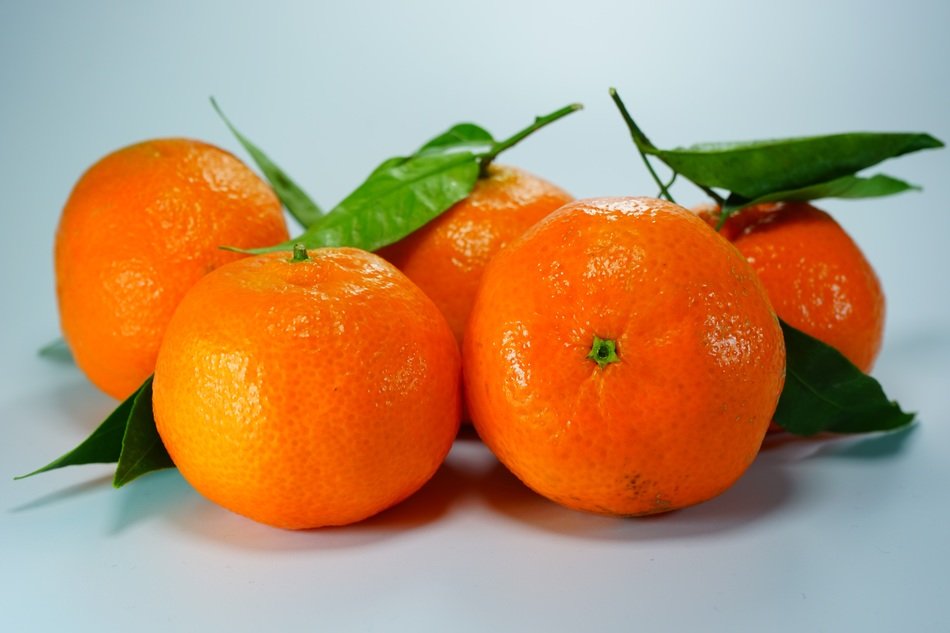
388, 164
399, 197
464, 136
142, 448
56, 350
103, 446
825, 392
297, 202
844, 187
404, 193
759, 168
467, 136
128, 436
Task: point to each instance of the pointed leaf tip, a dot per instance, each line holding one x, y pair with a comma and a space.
825, 392
294, 198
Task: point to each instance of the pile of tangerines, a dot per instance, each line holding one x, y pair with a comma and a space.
619, 355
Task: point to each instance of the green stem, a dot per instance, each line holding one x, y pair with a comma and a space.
300, 253
539, 122
640, 140
712, 194
670, 183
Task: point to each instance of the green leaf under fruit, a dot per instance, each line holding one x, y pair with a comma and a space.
844, 187
142, 448
103, 446
399, 197
761, 168
127, 437
825, 392
297, 202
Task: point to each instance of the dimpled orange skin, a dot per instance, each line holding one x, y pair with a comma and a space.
701, 359
305, 394
816, 276
446, 257
140, 227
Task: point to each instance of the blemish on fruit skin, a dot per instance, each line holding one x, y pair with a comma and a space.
634, 483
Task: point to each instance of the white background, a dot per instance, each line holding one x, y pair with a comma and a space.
831, 536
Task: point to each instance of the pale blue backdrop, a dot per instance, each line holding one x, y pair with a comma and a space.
330, 88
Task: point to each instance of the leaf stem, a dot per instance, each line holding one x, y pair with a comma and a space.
639, 139
712, 194
670, 183
539, 122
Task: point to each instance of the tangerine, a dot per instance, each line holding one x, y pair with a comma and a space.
447, 256
307, 393
623, 359
816, 276
140, 227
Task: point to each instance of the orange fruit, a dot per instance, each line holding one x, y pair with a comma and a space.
817, 278
447, 256
307, 393
140, 227
622, 358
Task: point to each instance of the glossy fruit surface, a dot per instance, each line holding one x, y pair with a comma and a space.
140, 227
622, 358
817, 278
447, 257
307, 393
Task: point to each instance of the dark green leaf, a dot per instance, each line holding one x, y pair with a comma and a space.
398, 197
758, 168
128, 436
297, 202
825, 392
56, 350
844, 187
466, 136
142, 448
104, 446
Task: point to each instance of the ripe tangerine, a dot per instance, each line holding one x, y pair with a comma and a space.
447, 256
140, 227
307, 393
622, 358
816, 276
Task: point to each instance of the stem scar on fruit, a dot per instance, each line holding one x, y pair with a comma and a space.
603, 351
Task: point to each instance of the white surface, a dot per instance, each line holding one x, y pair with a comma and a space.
818, 536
